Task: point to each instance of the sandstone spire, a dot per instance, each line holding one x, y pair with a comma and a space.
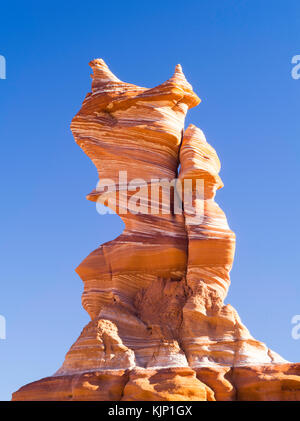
159, 327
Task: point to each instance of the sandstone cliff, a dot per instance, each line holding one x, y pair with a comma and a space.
159, 327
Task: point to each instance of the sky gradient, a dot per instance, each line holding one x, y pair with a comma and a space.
237, 55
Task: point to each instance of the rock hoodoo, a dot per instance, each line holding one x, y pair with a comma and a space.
159, 327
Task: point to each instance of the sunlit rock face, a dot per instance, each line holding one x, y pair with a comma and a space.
159, 327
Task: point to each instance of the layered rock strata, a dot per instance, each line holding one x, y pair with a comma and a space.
159, 327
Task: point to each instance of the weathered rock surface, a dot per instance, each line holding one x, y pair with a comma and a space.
159, 327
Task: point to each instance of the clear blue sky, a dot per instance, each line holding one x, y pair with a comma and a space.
237, 55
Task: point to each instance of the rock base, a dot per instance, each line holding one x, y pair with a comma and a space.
274, 382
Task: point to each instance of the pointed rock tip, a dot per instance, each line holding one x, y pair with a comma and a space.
178, 68
178, 74
97, 62
179, 78
101, 71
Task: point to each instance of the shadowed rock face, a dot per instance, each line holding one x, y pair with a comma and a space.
159, 327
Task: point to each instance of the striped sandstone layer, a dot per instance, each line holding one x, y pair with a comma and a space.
159, 327
212, 332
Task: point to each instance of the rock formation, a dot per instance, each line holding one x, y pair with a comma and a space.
159, 327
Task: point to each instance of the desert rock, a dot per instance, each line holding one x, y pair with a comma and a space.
159, 327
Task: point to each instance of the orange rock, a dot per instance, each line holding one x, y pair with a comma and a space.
159, 327
105, 385
169, 384
212, 332
274, 382
218, 378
